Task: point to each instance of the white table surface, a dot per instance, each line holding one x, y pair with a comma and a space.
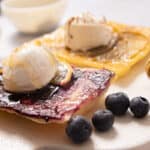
17, 133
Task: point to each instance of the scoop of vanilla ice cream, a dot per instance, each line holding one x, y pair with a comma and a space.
86, 32
28, 69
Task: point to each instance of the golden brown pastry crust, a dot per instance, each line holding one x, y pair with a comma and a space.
132, 48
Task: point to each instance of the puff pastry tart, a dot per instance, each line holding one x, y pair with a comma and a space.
131, 45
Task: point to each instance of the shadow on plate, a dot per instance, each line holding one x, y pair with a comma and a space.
88, 144
143, 121
111, 134
126, 119
38, 134
51, 148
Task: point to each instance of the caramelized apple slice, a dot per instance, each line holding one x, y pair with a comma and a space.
64, 74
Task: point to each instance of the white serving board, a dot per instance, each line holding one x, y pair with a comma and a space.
17, 133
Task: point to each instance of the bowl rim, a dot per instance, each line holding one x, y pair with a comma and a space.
5, 6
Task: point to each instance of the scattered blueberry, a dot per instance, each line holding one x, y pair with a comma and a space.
103, 120
139, 106
78, 129
118, 103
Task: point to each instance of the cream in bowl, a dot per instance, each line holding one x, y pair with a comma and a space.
34, 16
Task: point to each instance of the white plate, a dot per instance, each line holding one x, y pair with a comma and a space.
17, 133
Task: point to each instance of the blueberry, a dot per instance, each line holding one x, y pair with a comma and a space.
139, 106
118, 103
78, 129
103, 120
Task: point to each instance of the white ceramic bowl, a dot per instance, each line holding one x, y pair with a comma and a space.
34, 16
